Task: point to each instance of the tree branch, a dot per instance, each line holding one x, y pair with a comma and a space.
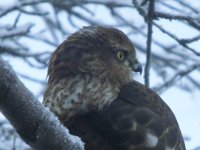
36, 125
149, 41
176, 78
181, 42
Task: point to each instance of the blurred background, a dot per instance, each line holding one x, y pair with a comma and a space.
166, 36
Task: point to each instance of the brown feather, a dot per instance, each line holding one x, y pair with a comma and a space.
124, 124
85, 77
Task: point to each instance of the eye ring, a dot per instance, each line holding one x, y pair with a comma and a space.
120, 55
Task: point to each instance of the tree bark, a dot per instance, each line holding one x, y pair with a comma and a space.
36, 125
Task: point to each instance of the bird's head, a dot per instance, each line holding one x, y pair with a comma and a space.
98, 51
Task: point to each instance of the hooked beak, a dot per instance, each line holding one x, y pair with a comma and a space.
137, 67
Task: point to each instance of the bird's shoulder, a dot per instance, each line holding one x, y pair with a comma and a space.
138, 119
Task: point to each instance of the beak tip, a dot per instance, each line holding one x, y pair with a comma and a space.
137, 68
140, 71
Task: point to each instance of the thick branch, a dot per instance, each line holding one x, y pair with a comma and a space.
36, 125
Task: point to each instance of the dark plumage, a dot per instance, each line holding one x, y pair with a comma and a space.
137, 120
86, 74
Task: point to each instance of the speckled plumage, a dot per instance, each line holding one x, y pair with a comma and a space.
84, 73
79, 95
91, 90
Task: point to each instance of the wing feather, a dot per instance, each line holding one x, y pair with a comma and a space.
137, 120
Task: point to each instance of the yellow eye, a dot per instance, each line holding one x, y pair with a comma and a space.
120, 55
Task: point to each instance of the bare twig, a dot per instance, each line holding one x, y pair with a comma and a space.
196, 38
33, 13
171, 7
176, 77
187, 5
181, 42
178, 17
20, 5
12, 32
16, 20
32, 79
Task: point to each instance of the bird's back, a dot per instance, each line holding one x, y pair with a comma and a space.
137, 120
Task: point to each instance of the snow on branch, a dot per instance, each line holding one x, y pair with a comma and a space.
12, 32
36, 125
20, 4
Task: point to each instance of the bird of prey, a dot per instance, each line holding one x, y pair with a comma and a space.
91, 90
